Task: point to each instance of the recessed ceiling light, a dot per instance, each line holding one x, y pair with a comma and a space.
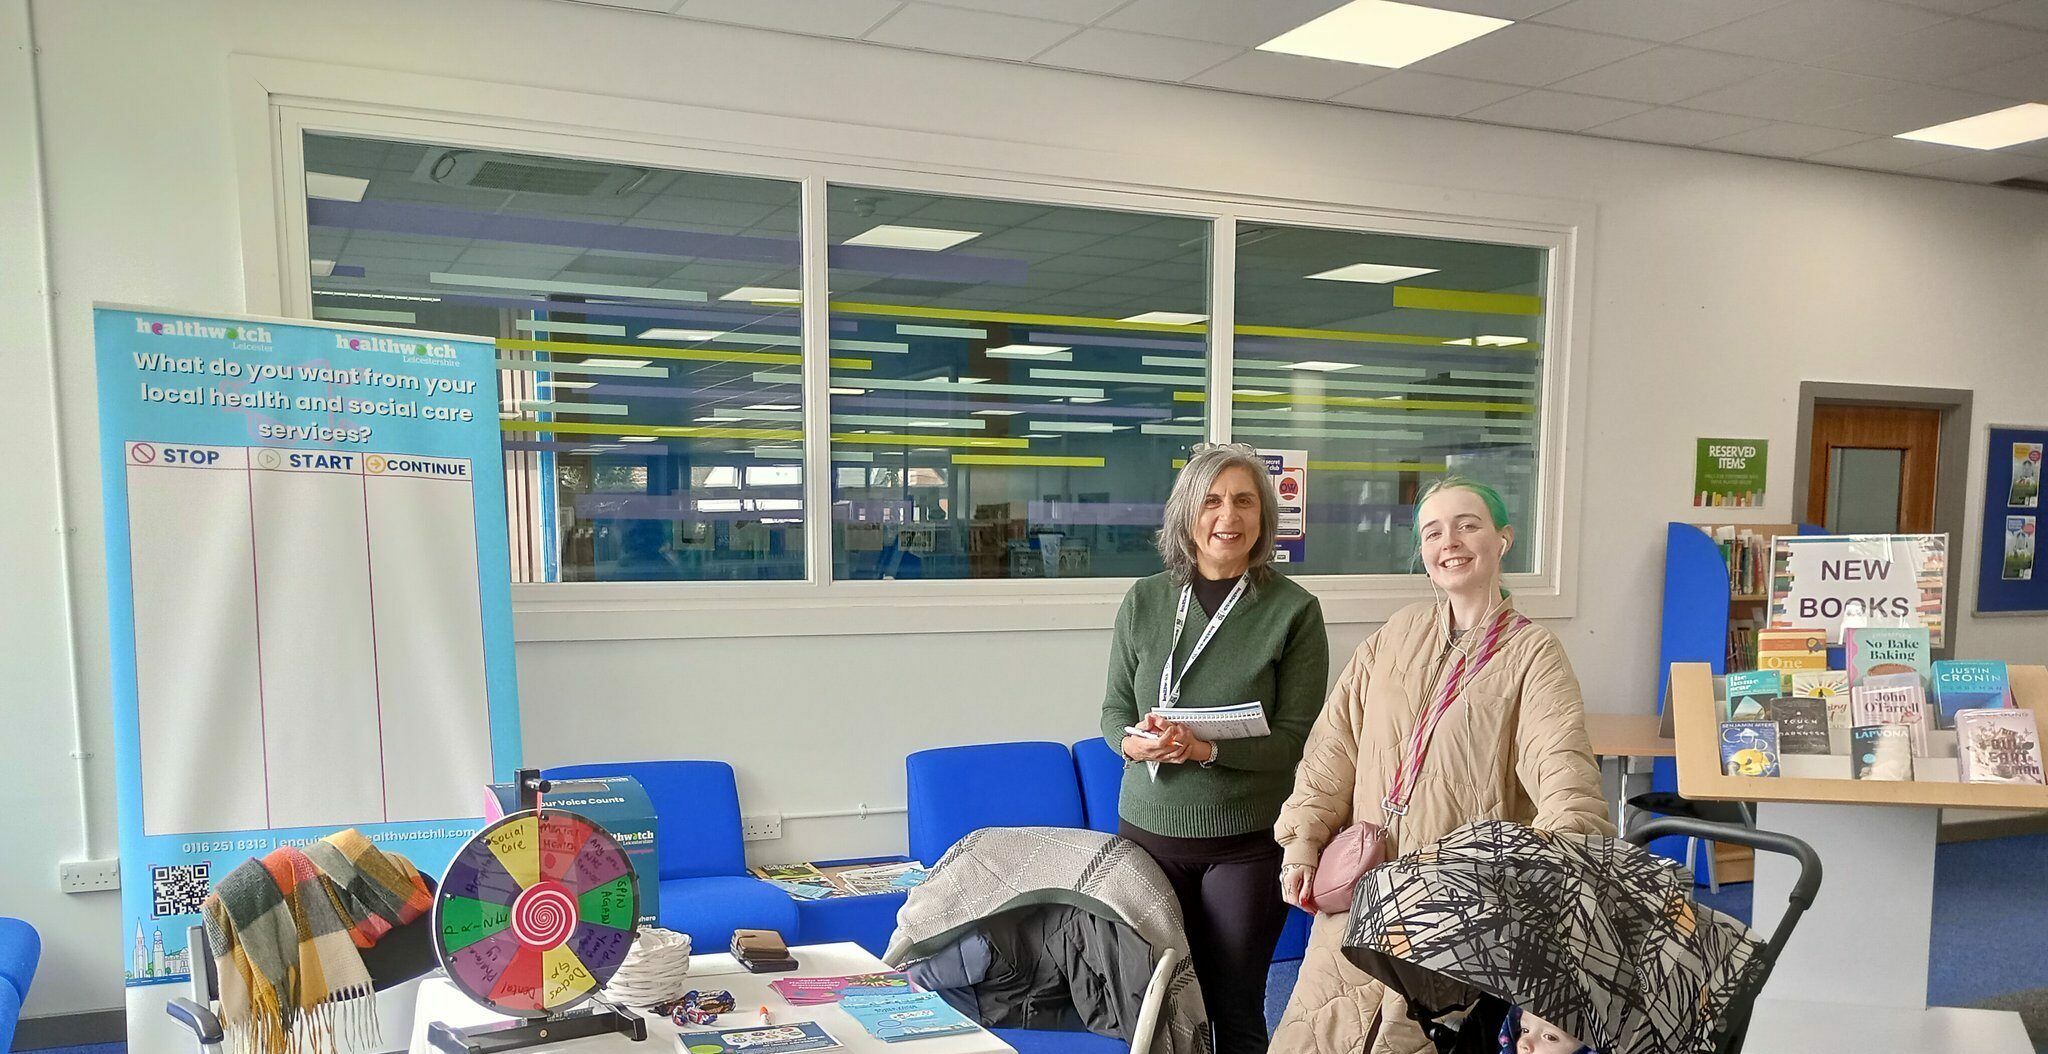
716, 419
1026, 350
1989, 131
565, 384
680, 334
1489, 340
973, 380
773, 406
763, 294
1042, 435
335, 188
629, 364
1321, 365
322, 268
998, 413
1251, 391
1376, 273
376, 296
1087, 399
924, 424
636, 439
1382, 33
849, 391
923, 239
1168, 318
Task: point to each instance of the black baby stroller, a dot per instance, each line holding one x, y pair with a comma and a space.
1595, 935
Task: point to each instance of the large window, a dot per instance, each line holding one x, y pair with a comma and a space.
1025, 396
1000, 388
1390, 361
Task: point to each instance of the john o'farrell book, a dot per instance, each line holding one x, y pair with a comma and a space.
1749, 748
1892, 699
1750, 690
1880, 752
1969, 684
1802, 724
1870, 651
1998, 746
1792, 649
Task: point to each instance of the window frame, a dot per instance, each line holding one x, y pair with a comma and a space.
277, 102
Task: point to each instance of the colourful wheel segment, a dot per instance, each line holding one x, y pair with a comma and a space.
536, 913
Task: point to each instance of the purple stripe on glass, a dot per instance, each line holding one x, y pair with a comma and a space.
878, 401
347, 271
1197, 346
734, 320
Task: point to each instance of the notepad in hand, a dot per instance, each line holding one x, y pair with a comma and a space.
1243, 721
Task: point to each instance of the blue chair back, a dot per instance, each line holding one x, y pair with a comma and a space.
1102, 780
955, 790
697, 812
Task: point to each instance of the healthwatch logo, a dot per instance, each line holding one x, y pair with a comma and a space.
387, 346
186, 327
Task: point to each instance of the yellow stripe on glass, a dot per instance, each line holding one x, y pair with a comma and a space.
1459, 300
1384, 404
1028, 460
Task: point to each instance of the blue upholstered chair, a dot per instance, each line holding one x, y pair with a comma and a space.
20, 948
1101, 771
956, 790
705, 889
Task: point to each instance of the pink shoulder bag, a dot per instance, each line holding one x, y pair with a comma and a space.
1362, 846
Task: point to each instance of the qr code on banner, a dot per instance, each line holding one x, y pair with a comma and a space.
179, 888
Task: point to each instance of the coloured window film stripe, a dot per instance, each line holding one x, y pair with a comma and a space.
1028, 460
1427, 299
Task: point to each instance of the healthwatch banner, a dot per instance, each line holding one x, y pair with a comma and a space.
309, 598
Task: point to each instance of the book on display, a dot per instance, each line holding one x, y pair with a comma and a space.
1969, 684
1832, 687
1892, 699
2001, 745
1749, 691
1791, 650
1881, 752
1749, 748
1802, 724
1870, 651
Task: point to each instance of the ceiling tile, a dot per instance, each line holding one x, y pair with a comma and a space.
2021, 13
829, 18
2037, 148
1990, 166
1937, 53
1666, 75
1953, 7
1664, 20
1295, 76
1907, 108
958, 32
1786, 140
1079, 12
1555, 110
1530, 54
1407, 91
1138, 55
1805, 28
1891, 155
2019, 79
1680, 127
1219, 21
1790, 94
1515, 9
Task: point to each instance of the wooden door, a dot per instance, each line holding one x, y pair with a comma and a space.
1872, 469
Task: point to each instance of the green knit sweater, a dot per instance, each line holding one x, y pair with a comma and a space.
1272, 648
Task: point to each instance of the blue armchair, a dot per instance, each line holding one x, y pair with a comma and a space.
1102, 780
956, 790
705, 889
20, 948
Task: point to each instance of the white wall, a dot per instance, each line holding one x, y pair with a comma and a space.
1718, 283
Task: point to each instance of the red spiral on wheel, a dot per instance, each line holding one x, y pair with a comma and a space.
544, 915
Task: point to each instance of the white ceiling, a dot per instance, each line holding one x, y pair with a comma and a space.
1826, 81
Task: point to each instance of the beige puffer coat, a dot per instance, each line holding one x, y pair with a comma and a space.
1512, 748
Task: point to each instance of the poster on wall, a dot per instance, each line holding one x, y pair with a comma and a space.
309, 602
1730, 473
1289, 469
1843, 581
2006, 580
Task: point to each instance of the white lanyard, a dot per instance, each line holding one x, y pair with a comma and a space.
1169, 685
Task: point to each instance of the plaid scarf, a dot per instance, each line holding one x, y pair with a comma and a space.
285, 932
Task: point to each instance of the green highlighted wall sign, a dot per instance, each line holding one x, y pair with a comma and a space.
1730, 473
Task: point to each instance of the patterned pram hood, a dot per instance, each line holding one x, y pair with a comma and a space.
998, 869
1595, 935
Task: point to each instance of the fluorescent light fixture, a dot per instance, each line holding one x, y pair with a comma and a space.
680, 334
998, 413
972, 380
335, 188
763, 294
1382, 33
1989, 131
1042, 435
565, 384
1250, 391
1167, 318
630, 364
1086, 399
1320, 365
849, 391
1489, 340
375, 296
773, 406
322, 268
1027, 350
929, 424
636, 439
1376, 273
923, 239
718, 419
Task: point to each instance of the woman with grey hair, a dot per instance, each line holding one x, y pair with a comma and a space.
1217, 628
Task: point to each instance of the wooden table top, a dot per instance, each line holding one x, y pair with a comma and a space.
1628, 736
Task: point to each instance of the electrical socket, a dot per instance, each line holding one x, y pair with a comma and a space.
761, 828
87, 876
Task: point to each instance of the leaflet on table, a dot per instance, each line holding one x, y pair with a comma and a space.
792, 1038
895, 1017
809, 882
811, 991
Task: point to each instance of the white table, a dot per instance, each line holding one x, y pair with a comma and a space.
440, 1000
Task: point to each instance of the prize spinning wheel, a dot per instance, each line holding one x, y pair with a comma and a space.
536, 913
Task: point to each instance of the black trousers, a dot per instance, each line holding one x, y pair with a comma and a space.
1229, 891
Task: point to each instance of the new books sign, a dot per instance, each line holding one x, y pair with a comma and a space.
1838, 581
1730, 472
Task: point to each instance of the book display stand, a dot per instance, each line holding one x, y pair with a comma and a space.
1863, 946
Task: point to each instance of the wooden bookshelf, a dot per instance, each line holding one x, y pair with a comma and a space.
1695, 719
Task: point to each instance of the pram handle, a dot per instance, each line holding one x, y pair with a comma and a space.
1803, 890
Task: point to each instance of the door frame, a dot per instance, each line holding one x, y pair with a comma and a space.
1951, 466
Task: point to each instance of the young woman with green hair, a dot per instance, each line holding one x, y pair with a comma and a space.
1503, 737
